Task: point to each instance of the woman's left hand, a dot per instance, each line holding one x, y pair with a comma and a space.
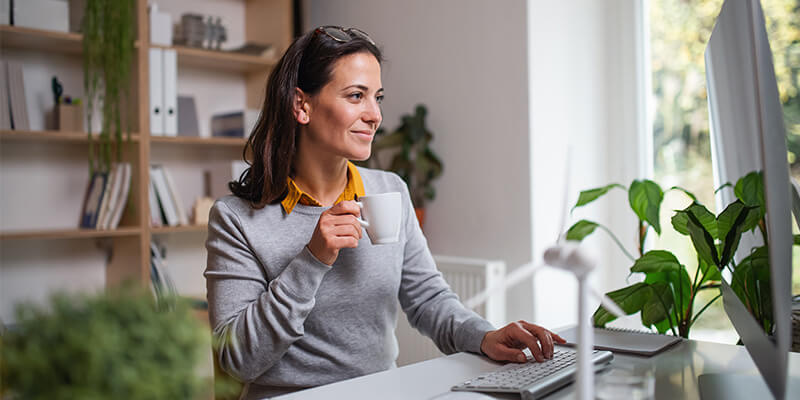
507, 343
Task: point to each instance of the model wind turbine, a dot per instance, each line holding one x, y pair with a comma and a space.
567, 256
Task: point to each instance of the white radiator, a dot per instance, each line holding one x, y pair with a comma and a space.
466, 277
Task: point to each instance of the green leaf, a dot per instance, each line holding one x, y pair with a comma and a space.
732, 222
645, 199
797, 240
663, 326
724, 185
656, 261
706, 218
580, 230
701, 239
686, 192
679, 283
630, 299
750, 189
653, 310
751, 283
708, 272
588, 196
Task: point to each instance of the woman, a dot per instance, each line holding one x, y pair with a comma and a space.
297, 294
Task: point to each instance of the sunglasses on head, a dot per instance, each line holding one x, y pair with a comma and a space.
343, 35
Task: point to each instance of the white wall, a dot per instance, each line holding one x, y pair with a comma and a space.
466, 61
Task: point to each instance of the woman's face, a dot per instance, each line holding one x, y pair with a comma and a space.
344, 115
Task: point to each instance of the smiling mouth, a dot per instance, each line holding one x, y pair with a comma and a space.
366, 134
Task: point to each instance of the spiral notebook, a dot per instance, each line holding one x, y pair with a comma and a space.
625, 340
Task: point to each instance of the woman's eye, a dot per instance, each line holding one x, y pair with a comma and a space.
380, 99
356, 95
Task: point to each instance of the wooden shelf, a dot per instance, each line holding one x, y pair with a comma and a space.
58, 136
194, 140
70, 234
39, 39
220, 60
178, 229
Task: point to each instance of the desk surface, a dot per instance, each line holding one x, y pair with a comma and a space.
675, 370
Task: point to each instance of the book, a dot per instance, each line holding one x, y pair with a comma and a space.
165, 200
176, 199
16, 96
156, 219
122, 200
5, 107
112, 187
93, 199
625, 340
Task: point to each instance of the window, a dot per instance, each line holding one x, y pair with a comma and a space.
679, 31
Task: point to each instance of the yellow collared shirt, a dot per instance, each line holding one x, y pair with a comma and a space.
354, 187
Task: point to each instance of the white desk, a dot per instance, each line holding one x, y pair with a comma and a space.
675, 371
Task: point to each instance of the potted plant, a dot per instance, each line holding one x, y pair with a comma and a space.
108, 37
410, 157
666, 296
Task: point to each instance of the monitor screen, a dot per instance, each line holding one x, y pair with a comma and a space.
749, 152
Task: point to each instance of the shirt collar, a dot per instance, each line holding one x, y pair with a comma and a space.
353, 189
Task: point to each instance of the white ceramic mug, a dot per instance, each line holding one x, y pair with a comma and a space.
381, 215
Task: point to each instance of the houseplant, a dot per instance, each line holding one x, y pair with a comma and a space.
116, 345
108, 37
666, 296
410, 157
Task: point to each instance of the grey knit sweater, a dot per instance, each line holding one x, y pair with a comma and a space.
289, 321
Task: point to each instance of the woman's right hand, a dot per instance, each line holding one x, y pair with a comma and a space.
336, 229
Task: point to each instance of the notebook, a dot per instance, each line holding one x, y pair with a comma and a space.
625, 341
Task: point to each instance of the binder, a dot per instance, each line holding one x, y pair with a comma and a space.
176, 199
170, 75
156, 92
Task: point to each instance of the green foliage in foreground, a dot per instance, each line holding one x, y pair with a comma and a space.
115, 346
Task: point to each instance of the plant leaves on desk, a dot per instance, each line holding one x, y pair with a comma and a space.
645, 198
658, 305
630, 299
656, 261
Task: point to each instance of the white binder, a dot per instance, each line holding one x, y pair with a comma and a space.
170, 74
156, 92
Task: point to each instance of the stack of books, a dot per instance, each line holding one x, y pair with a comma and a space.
106, 197
166, 207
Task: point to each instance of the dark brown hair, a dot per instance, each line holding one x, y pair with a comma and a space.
307, 64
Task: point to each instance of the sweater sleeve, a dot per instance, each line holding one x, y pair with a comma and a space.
254, 320
430, 305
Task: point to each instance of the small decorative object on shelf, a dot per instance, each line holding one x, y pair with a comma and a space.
68, 111
194, 32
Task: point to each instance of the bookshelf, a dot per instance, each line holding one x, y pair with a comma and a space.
60, 156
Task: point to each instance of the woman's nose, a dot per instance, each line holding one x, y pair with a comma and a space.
372, 113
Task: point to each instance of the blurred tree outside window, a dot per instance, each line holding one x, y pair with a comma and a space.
679, 32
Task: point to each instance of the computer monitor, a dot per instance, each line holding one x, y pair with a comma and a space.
748, 134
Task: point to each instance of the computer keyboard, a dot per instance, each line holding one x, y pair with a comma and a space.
533, 379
